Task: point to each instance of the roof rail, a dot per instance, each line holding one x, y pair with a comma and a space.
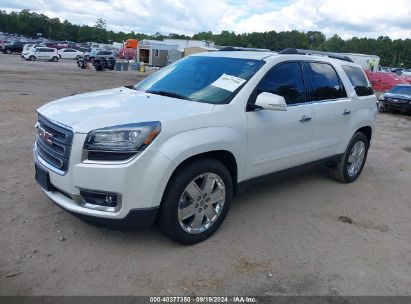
239, 48
313, 52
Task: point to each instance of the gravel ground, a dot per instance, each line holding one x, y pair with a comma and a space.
301, 235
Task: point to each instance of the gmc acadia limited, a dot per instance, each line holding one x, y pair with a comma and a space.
175, 148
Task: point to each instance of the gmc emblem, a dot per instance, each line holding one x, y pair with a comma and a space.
44, 135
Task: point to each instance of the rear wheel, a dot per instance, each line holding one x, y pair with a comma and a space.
55, 59
8, 51
353, 160
196, 201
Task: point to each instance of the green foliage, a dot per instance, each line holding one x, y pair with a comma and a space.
392, 52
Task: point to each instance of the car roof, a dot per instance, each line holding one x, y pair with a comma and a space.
237, 54
267, 56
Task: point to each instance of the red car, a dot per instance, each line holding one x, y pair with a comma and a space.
406, 76
384, 81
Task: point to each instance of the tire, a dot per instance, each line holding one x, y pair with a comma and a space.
176, 195
8, 51
32, 58
55, 59
345, 171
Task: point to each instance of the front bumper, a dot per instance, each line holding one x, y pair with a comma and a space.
136, 218
140, 183
403, 107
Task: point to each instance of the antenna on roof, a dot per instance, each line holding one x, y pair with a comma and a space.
313, 52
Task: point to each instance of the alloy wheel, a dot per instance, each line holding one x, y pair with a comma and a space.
201, 203
356, 158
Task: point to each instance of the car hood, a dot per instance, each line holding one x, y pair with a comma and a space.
85, 112
399, 96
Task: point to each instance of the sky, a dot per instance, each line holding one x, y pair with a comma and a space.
346, 18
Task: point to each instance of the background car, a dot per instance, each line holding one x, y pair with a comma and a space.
42, 53
406, 75
107, 54
397, 98
13, 47
384, 81
69, 53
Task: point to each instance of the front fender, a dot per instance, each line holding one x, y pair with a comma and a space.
184, 145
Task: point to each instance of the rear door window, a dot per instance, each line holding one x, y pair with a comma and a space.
358, 80
325, 83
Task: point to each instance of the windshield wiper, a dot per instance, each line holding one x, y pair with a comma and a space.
169, 94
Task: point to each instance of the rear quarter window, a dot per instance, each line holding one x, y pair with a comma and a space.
325, 83
358, 80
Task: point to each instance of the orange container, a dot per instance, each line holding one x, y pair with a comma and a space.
131, 43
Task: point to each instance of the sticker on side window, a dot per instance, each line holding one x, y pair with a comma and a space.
228, 82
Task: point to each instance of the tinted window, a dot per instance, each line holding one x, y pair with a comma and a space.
358, 80
324, 82
286, 80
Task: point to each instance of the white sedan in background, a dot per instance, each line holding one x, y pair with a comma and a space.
69, 53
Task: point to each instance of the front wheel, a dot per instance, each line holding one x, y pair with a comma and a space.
8, 51
353, 160
196, 201
32, 58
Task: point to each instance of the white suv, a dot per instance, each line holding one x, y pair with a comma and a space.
41, 53
176, 147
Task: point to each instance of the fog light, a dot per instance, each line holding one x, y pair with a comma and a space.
107, 199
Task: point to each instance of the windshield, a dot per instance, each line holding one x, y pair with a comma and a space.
213, 80
401, 90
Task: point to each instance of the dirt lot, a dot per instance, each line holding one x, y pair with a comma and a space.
280, 237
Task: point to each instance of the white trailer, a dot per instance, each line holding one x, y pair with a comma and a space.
367, 62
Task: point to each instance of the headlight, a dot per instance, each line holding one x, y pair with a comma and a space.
123, 140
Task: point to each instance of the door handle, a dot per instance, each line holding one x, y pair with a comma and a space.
346, 112
305, 118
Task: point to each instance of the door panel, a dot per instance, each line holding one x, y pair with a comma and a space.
277, 139
332, 108
330, 123
41, 55
280, 139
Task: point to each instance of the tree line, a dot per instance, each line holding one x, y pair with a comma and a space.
395, 52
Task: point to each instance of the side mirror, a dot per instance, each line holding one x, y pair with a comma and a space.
269, 101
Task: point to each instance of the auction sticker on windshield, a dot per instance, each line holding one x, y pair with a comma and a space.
228, 82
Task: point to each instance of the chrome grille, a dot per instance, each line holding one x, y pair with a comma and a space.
53, 143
